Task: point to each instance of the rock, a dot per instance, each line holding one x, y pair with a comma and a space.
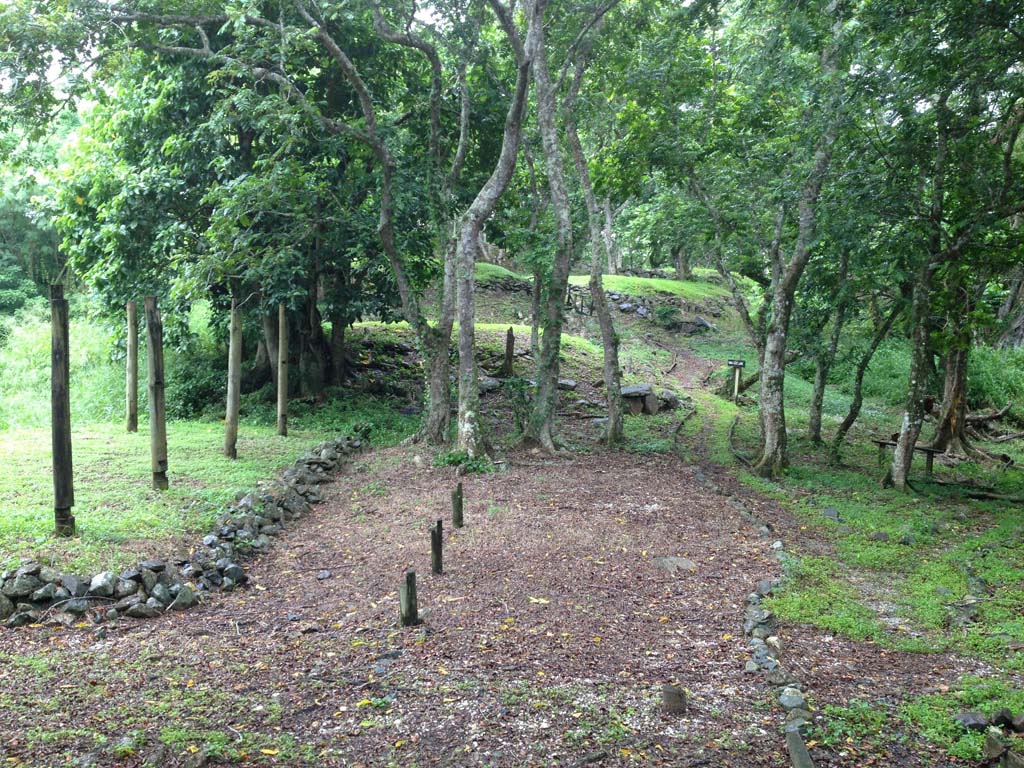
132, 574
29, 569
22, 619
488, 384
643, 312
124, 587
792, 698
779, 677
185, 599
103, 584
766, 586
673, 699
672, 564
568, 385
626, 307
972, 721
878, 536
669, 400
121, 606
6, 608
1012, 760
943, 591
651, 404
963, 613
323, 575
49, 575
142, 611
751, 666
1017, 726
210, 540
994, 747
637, 390
1003, 718
831, 513
161, 594
44, 594
236, 573
22, 585
153, 565
76, 606
149, 579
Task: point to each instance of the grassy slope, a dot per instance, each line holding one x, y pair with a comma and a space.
655, 286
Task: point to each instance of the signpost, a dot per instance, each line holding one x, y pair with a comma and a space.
737, 366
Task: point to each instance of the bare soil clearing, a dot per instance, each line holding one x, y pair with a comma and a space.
545, 642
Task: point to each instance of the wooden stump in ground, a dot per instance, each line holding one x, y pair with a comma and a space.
157, 408
457, 506
60, 414
510, 353
436, 545
407, 606
131, 389
282, 370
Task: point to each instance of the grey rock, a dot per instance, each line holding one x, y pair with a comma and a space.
1003, 718
76, 606
161, 594
22, 619
22, 585
637, 390
29, 569
6, 608
153, 565
831, 513
149, 580
124, 587
323, 575
673, 699
1017, 726
994, 747
210, 540
132, 574
669, 400
963, 613
878, 536
49, 575
643, 312
44, 594
142, 610
766, 586
567, 384
121, 606
751, 666
792, 698
103, 584
235, 572
185, 599
672, 564
626, 307
972, 721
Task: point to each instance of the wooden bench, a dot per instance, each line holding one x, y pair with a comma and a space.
929, 453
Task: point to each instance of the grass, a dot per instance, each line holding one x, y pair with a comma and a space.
655, 286
486, 273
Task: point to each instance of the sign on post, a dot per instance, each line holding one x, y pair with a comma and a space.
737, 366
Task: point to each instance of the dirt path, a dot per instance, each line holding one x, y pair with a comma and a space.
546, 641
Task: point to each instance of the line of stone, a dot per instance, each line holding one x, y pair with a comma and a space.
38, 594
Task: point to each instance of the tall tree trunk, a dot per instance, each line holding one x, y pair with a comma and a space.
609, 340
825, 357
337, 349
471, 439
269, 323
540, 426
234, 374
610, 243
682, 263
282, 369
313, 348
535, 296
132, 369
881, 332
950, 435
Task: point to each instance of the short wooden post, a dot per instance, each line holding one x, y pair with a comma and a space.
736, 384
60, 414
929, 462
408, 609
457, 506
234, 374
157, 409
510, 353
131, 389
282, 370
436, 545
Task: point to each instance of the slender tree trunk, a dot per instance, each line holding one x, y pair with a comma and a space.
825, 357
540, 426
881, 333
337, 350
609, 339
313, 347
774, 457
950, 435
610, 243
535, 297
234, 374
282, 370
682, 258
132, 370
269, 322
157, 409
60, 414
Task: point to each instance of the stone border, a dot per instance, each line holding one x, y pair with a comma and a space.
760, 625
36, 594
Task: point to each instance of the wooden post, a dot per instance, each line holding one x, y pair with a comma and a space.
510, 353
282, 370
234, 374
157, 410
131, 389
408, 609
736, 384
457, 506
436, 544
60, 414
